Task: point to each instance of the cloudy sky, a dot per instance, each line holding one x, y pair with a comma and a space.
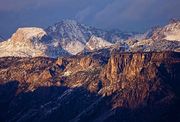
126, 15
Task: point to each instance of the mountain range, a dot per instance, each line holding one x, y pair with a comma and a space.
72, 72
69, 37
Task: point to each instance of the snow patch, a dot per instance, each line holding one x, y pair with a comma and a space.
173, 35
97, 43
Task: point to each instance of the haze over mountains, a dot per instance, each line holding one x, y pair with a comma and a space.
69, 37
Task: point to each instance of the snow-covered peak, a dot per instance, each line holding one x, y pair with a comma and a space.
97, 43
25, 42
31, 42
169, 32
68, 30
73, 36
28, 33
172, 31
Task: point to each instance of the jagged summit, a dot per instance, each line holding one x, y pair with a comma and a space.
70, 30
165, 38
170, 32
74, 37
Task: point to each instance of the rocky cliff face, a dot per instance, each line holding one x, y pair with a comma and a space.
99, 86
138, 75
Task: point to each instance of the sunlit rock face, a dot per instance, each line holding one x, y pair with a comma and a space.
138, 74
27, 34
104, 85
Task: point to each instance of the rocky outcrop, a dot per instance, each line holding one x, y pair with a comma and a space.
32, 72
98, 86
140, 74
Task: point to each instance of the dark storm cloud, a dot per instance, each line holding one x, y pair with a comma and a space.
135, 15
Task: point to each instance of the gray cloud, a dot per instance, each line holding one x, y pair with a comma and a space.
135, 15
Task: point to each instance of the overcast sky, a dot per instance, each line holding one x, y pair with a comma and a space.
126, 15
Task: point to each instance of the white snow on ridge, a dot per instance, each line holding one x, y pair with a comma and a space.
169, 32
24, 43
97, 43
172, 31
74, 47
23, 34
70, 38
173, 36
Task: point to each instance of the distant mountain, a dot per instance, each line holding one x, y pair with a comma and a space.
169, 32
69, 37
166, 38
73, 36
70, 30
30, 42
